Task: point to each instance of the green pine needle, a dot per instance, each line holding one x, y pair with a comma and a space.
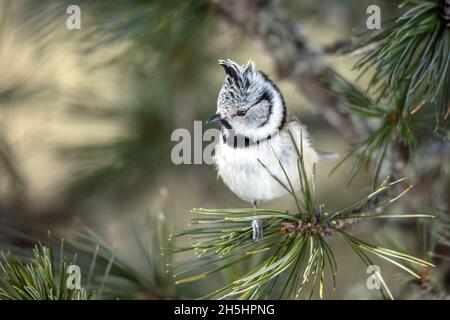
392, 127
38, 279
411, 51
294, 252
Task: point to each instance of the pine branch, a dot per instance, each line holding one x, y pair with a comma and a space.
434, 240
39, 279
411, 51
295, 243
394, 135
105, 273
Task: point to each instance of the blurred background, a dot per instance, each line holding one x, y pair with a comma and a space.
86, 118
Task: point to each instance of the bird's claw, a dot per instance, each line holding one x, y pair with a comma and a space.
257, 227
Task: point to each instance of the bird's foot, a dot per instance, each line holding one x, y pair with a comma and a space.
257, 227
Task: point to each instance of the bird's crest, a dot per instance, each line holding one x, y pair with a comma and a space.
242, 75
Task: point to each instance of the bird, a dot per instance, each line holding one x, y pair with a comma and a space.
257, 134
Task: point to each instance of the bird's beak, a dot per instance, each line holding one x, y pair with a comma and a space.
214, 118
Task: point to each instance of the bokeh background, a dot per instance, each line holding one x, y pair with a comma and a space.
86, 118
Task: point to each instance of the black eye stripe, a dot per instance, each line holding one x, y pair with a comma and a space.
258, 101
265, 96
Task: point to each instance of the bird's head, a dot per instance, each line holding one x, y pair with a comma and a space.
249, 103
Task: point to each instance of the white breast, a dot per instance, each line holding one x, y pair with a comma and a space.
249, 180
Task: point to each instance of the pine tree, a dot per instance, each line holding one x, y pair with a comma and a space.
400, 123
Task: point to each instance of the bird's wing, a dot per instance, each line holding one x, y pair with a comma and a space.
323, 155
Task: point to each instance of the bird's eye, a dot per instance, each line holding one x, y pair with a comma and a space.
241, 113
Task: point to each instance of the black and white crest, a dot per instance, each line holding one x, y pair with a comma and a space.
249, 102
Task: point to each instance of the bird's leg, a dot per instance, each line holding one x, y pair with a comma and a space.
257, 226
